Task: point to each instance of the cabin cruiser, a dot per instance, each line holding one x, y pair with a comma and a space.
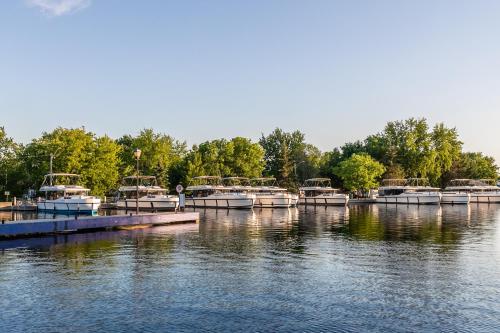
62, 194
208, 192
319, 191
151, 196
479, 190
408, 191
270, 195
452, 195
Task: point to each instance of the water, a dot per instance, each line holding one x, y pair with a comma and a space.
363, 269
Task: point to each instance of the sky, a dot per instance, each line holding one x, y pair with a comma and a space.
199, 70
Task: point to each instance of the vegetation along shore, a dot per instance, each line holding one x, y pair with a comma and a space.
408, 148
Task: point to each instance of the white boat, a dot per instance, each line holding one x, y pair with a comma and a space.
62, 194
455, 196
408, 191
208, 192
151, 196
319, 192
269, 195
479, 190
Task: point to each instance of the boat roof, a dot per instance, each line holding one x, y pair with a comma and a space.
63, 188
235, 178
464, 182
318, 179
264, 178
207, 177
392, 182
140, 177
62, 174
318, 188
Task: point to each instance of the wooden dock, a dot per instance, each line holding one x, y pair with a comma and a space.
30, 228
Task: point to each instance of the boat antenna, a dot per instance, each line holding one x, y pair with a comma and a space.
50, 173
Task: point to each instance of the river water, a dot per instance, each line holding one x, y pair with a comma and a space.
359, 269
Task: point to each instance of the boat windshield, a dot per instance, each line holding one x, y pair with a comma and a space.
318, 182
236, 181
264, 181
472, 183
143, 181
410, 182
64, 179
205, 181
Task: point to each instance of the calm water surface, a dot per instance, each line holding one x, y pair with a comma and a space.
362, 269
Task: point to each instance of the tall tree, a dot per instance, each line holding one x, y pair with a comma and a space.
75, 151
237, 157
159, 153
286, 153
9, 151
247, 158
472, 166
447, 149
360, 172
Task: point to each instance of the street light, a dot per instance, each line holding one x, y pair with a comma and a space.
137, 156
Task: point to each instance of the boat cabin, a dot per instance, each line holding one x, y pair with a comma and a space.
400, 186
265, 185
59, 185
203, 186
146, 186
317, 186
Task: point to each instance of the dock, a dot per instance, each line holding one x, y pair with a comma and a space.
29, 228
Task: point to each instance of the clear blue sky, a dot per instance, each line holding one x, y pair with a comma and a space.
336, 70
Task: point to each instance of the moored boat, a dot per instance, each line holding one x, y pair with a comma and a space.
408, 191
208, 192
150, 195
479, 190
319, 192
61, 193
269, 195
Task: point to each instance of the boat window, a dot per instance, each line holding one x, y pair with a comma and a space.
392, 191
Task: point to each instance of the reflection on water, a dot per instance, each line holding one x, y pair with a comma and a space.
363, 268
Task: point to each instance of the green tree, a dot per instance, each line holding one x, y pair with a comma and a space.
237, 157
246, 158
75, 151
412, 144
359, 172
394, 171
472, 166
447, 149
9, 152
289, 158
160, 152
103, 175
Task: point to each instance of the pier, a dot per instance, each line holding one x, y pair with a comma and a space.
29, 228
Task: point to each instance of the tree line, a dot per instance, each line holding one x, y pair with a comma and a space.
408, 148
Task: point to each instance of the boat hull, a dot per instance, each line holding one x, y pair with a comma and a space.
276, 201
89, 205
146, 204
405, 199
221, 202
324, 200
455, 198
485, 198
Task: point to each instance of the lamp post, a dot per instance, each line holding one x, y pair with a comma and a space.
137, 156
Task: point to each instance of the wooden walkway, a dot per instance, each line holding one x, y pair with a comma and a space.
88, 223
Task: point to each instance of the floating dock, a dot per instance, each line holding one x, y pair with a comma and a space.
30, 228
